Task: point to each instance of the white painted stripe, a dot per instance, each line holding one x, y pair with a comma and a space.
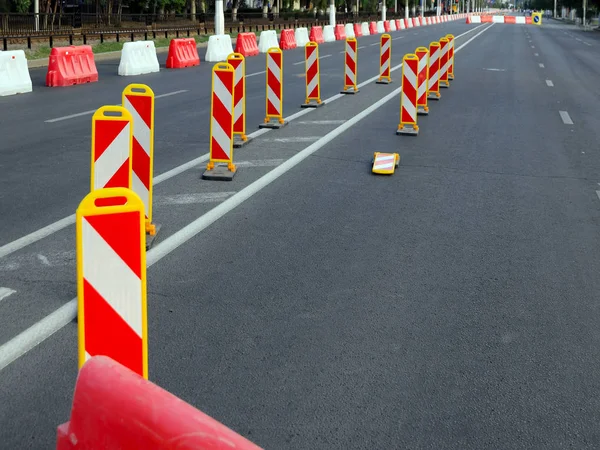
111, 159
295, 139
598, 194
116, 283
61, 224
321, 122
169, 94
533, 46
273, 67
549, 83
396, 38
260, 163
541, 65
191, 199
564, 115
312, 57
375, 43
362, 46
536, 54
5, 292
255, 74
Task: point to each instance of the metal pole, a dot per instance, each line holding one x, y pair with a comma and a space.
383, 11
219, 17
584, 8
406, 9
422, 7
36, 11
554, 9
332, 13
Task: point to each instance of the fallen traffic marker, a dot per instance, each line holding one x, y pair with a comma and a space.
138, 99
450, 56
385, 163
274, 97
408, 96
423, 55
351, 67
111, 279
433, 83
313, 78
221, 124
385, 55
238, 62
444, 47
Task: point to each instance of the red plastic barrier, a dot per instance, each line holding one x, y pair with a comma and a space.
510, 19
316, 35
415, 22
372, 28
398, 24
357, 30
407, 23
486, 19
528, 20
386, 26
71, 65
246, 44
287, 41
114, 408
182, 53
340, 32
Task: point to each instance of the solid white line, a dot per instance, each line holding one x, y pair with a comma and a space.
86, 113
322, 122
191, 199
254, 74
48, 230
303, 62
295, 139
5, 292
549, 83
541, 65
598, 194
564, 115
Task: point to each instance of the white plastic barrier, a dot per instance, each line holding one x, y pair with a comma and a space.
380, 27
328, 33
477, 19
219, 47
392, 25
138, 58
14, 73
349, 28
518, 19
498, 19
401, 22
267, 40
364, 27
301, 35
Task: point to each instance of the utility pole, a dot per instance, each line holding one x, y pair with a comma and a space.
332, 13
584, 8
219, 17
383, 10
36, 11
406, 9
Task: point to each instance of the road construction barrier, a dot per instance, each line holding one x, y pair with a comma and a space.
246, 45
510, 19
328, 33
114, 408
302, 37
528, 20
408, 97
316, 35
380, 27
349, 30
408, 23
433, 84
385, 55
450, 38
71, 65
267, 40
138, 100
351, 67
340, 32
393, 25
111, 278
520, 20
486, 19
313, 78
219, 47
364, 28
415, 22
358, 30
536, 18
497, 19
112, 142
238, 62
373, 28
438, 20
444, 47
14, 73
287, 41
386, 26
182, 53
473, 19
422, 72
138, 58
400, 24
274, 88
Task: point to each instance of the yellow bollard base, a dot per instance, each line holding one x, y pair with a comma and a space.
239, 141
411, 130
444, 84
350, 91
384, 81
313, 103
422, 110
273, 124
220, 173
451, 76
434, 96
151, 238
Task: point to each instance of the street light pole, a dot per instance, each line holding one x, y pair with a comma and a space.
219, 17
332, 13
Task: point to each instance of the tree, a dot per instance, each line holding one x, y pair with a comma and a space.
21, 6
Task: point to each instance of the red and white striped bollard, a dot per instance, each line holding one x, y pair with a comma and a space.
274, 97
385, 57
450, 38
444, 47
408, 96
433, 85
422, 78
313, 77
238, 62
351, 67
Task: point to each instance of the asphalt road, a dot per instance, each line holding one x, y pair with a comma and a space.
452, 305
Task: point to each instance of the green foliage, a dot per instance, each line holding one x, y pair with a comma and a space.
21, 6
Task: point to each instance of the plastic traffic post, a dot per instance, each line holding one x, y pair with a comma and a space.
274, 87
433, 85
238, 62
138, 99
385, 55
408, 97
221, 124
385, 163
450, 38
423, 54
444, 47
111, 278
351, 67
111, 149
313, 78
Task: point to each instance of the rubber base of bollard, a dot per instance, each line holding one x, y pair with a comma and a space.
275, 125
219, 173
408, 130
151, 239
350, 92
312, 104
434, 97
451, 77
239, 143
383, 81
445, 86
421, 111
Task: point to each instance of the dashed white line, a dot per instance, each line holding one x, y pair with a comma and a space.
564, 115
192, 199
362, 46
549, 83
399, 37
260, 163
256, 73
542, 66
5, 292
296, 139
321, 122
302, 62
536, 54
533, 46
577, 39
375, 43
169, 94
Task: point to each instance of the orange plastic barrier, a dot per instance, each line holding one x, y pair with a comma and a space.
357, 30
510, 19
486, 19
182, 53
386, 26
246, 44
528, 20
316, 35
372, 28
287, 40
340, 32
71, 65
114, 407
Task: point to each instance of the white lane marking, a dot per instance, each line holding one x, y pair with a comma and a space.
191, 199
48, 230
587, 43
362, 46
92, 111
549, 83
598, 194
536, 54
5, 292
303, 62
577, 39
321, 122
564, 115
375, 43
256, 73
491, 69
43, 259
396, 38
542, 66
295, 139
533, 46
260, 163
